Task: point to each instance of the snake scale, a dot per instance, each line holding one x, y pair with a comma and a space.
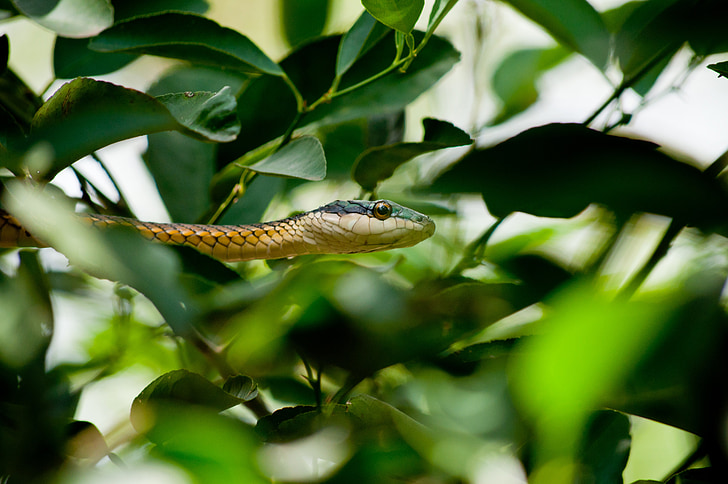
340, 227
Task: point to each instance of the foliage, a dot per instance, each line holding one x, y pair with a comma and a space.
413, 365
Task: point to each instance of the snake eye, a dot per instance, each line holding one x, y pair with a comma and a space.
382, 210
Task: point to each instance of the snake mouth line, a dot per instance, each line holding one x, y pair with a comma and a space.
340, 227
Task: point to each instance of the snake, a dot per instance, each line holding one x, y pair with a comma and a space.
339, 227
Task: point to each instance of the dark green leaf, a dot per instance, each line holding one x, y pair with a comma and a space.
301, 158
379, 163
241, 387
514, 81
721, 68
574, 23
212, 115
179, 387
125, 9
360, 38
106, 113
303, 21
605, 448
400, 15
182, 168
4, 53
188, 37
72, 58
69, 18
557, 170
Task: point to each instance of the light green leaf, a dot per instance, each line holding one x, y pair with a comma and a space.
189, 37
362, 36
400, 15
69, 18
301, 158
574, 23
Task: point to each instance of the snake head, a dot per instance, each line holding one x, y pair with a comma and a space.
369, 226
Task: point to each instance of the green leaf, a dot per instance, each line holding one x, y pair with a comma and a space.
573, 23
106, 113
301, 158
721, 68
605, 448
69, 18
400, 15
379, 163
361, 37
72, 58
303, 21
26, 321
188, 37
514, 81
179, 387
211, 115
557, 170
560, 377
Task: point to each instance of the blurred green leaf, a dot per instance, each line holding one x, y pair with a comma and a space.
400, 15
106, 113
379, 163
26, 321
125, 9
592, 344
557, 170
4, 53
514, 81
301, 158
574, 23
303, 21
605, 448
178, 387
86, 441
117, 253
188, 37
72, 58
211, 448
69, 18
721, 68
358, 40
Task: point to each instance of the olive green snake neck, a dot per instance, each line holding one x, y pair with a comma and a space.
340, 227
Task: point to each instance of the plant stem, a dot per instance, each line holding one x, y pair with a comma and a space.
474, 251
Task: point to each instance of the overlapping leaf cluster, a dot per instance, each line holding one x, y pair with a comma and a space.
412, 367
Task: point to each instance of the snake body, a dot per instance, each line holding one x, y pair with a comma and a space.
340, 227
